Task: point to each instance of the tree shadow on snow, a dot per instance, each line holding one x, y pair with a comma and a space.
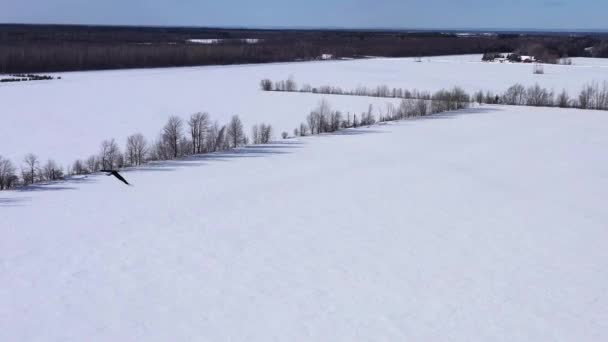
252, 151
456, 113
69, 183
361, 130
13, 202
62, 185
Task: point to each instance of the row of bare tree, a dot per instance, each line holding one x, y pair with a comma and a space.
290, 85
198, 135
323, 119
593, 96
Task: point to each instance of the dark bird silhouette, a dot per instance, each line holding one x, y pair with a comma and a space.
115, 174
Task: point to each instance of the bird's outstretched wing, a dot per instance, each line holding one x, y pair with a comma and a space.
117, 175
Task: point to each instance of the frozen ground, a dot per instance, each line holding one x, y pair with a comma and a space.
482, 226
67, 119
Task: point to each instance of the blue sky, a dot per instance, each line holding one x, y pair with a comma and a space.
508, 14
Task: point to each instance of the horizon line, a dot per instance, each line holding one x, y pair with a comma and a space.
313, 27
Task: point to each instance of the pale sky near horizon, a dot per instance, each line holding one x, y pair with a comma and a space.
429, 14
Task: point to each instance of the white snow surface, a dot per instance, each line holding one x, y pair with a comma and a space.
485, 225
67, 119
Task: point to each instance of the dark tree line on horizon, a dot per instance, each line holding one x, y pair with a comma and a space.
25, 48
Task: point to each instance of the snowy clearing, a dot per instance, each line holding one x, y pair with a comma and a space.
67, 119
488, 225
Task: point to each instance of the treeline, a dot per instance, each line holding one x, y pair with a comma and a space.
290, 85
178, 139
199, 135
40, 48
323, 119
592, 96
27, 77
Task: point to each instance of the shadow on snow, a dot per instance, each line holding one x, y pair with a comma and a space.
253, 151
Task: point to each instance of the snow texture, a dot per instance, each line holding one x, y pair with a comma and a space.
69, 118
484, 225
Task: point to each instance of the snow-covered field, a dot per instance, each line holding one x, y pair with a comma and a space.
486, 225
68, 118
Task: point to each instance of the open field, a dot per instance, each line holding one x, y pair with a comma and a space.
68, 118
487, 225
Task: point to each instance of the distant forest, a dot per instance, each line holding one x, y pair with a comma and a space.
48, 48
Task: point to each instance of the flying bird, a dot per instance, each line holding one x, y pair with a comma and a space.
115, 174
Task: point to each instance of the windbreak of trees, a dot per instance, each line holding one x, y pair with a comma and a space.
593, 95
177, 139
8, 177
290, 85
323, 119
199, 135
26, 77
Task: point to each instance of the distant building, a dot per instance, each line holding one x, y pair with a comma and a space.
528, 59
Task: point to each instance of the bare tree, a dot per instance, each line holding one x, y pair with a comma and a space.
79, 168
290, 84
30, 168
221, 141
255, 135
479, 97
421, 107
235, 132
335, 120
599, 99
211, 144
7, 174
185, 146
93, 164
109, 154
303, 129
515, 95
172, 134
137, 148
265, 133
585, 98
538, 69
563, 99
160, 150
199, 125
323, 111
602, 97
406, 109
51, 171
311, 120
368, 118
266, 84
537, 96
